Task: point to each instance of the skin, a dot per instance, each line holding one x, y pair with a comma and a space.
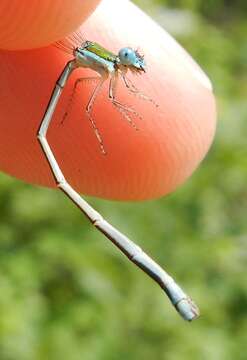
29, 24
151, 162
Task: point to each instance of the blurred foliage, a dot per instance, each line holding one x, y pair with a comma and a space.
65, 293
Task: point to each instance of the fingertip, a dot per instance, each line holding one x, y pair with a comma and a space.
30, 24
173, 138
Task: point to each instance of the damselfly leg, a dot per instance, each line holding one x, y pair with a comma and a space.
123, 109
100, 80
73, 93
133, 89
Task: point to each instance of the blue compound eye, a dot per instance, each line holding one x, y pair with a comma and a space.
127, 56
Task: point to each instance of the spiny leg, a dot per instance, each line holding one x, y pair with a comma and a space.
89, 108
179, 299
123, 109
133, 89
72, 95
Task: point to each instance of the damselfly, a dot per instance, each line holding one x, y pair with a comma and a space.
109, 66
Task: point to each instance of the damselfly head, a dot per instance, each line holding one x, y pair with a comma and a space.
131, 58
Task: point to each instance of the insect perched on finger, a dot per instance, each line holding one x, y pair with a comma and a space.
108, 65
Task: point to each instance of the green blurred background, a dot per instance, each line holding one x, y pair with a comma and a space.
65, 293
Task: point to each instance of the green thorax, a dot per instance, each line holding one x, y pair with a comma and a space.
100, 51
